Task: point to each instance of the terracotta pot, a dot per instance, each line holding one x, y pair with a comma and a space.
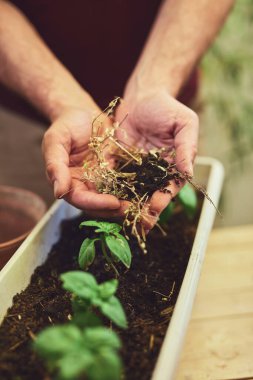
20, 210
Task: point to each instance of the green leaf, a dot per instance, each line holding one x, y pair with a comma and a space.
86, 320
74, 364
79, 304
113, 309
87, 253
103, 227
118, 245
167, 213
82, 316
71, 352
107, 366
96, 338
109, 228
82, 284
188, 198
55, 341
90, 223
103, 342
108, 288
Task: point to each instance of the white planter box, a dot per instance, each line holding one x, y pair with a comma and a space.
15, 276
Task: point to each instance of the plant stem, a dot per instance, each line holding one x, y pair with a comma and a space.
125, 150
109, 261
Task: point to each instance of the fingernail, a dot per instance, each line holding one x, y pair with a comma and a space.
190, 171
56, 188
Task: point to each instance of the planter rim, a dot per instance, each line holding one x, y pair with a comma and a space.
173, 341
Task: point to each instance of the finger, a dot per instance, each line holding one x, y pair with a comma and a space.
111, 214
56, 156
186, 142
158, 202
84, 199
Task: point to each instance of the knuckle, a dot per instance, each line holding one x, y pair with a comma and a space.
48, 136
195, 118
194, 149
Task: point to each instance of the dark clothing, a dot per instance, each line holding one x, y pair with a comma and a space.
99, 41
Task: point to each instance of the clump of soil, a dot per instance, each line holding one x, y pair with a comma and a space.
148, 292
154, 173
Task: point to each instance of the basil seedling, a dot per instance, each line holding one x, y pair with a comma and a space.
87, 293
114, 246
72, 352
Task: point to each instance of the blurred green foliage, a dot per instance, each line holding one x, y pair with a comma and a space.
187, 197
227, 89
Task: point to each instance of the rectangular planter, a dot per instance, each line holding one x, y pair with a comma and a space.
15, 276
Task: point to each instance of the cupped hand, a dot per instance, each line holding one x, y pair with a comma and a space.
156, 119
65, 146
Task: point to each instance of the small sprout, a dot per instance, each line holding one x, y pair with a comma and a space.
188, 198
88, 293
74, 352
114, 245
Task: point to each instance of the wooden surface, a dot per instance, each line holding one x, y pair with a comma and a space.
219, 341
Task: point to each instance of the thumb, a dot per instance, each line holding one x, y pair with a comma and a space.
56, 157
186, 142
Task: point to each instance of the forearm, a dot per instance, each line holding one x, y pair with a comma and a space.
182, 32
28, 67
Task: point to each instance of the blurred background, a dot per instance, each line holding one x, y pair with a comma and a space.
226, 113
220, 332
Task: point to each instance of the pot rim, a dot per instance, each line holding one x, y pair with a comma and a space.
13, 242
12, 189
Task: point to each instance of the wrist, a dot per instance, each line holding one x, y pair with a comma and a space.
68, 96
137, 90
141, 84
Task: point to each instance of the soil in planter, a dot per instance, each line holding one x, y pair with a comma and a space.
147, 291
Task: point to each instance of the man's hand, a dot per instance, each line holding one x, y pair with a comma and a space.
158, 120
65, 146
173, 48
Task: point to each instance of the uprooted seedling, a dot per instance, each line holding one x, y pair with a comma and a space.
130, 173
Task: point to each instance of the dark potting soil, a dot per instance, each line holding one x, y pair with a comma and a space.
147, 291
153, 174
